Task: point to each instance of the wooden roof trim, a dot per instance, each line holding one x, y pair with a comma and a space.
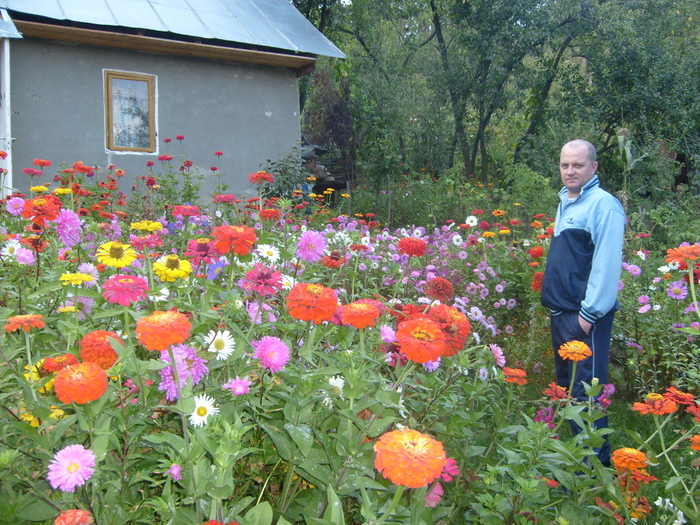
302, 64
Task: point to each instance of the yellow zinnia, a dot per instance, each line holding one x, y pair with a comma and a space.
62, 191
150, 226
76, 278
116, 254
171, 267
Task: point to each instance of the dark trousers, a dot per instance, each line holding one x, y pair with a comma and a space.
565, 328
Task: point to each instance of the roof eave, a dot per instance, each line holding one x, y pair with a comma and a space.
302, 64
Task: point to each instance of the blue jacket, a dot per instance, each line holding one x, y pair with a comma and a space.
585, 257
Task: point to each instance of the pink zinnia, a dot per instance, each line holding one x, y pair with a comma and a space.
311, 246
68, 227
434, 497
272, 352
175, 471
71, 467
201, 250
125, 289
238, 386
264, 281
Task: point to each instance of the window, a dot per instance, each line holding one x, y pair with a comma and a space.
130, 111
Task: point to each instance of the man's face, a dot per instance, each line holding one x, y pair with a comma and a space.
576, 168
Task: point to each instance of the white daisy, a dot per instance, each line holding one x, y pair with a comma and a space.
160, 295
268, 252
471, 221
457, 240
203, 408
10, 249
220, 343
288, 282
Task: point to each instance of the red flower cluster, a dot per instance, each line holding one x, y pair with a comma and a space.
439, 288
412, 247
239, 238
40, 210
259, 177
537, 281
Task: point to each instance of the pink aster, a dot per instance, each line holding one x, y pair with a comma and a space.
71, 467
498, 355
677, 290
272, 352
125, 289
175, 471
311, 246
238, 386
264, 281
15, 206
68, 227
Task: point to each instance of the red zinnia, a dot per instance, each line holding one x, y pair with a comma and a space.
239, 238
95, 347
439, 288
42, 209
655, 404
125, 289
454, 325
186, 210
537, 278
555, 392
80, 383
161, 329
259, 177
312, 302
412, 247
54, 364
264, 281
536, 252
334, 260
421, 340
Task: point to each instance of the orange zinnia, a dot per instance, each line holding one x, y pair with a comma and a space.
680, 254
96, 348
695, 442
629, 459
360, 314
161, 329
25, 322
555, 392
454, 325
655, 404
80, 383
421, 340
575, 351
514, 375
312, 302
407, 457
240, 238
679, 397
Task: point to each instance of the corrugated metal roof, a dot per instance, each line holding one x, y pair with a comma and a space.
267, 23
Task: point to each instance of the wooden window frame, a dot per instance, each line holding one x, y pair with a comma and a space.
109, 76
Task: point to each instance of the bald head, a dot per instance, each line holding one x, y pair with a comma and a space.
580, 143
577, 165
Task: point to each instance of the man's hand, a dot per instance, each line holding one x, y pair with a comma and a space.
585, 325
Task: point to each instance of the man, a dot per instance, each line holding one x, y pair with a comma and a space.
583, 271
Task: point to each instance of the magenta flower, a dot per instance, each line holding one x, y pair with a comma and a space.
387, 333
238, 386
643, 299
71, 467
189, 364
311, 246
498, 354
15, 206
272, 352
125, 289
677, 290
450, 470
633, 269
175, 471
25, 256
264, 281
644, 309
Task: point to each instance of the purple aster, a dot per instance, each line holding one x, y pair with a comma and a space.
388, 334
260, 313
68, 227
215, 269
82, 304
15, 206
25, 256
431, 366
238, 386
692, 307
189, 365
643, 299
677, 290
644, 309
634, 269
311, 246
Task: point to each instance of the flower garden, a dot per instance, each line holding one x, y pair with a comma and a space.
170, 359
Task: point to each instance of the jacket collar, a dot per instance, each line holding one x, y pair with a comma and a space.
594, 182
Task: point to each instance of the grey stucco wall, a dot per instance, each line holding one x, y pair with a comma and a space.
249, 113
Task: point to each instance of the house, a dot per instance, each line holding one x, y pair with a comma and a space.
106, 82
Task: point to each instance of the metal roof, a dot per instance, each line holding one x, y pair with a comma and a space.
267, 23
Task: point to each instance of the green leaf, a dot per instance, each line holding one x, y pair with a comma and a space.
302, 435
282, 444
176, 442
334, 511
37, 510
261, 514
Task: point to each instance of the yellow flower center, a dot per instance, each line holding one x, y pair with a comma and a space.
219, 344
126, 280
73, 467
314, 289
422, 335
39, 202
202, 411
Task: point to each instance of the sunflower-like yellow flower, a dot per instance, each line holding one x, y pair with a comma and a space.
170, 268
116, 254
575, 351
149, 226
